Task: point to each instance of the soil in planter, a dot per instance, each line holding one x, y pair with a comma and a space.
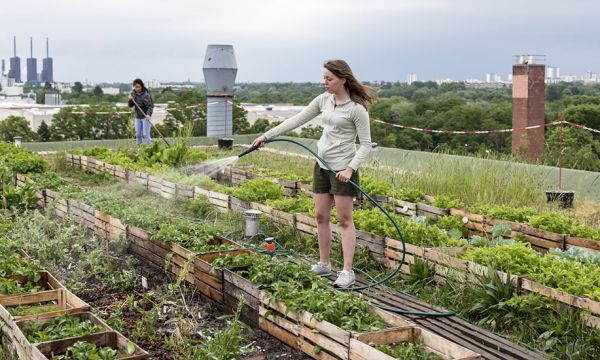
110, 302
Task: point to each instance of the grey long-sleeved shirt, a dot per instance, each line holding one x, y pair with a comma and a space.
341, 125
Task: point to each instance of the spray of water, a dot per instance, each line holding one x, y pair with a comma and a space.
209, 168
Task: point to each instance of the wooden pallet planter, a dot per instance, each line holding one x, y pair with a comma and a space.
46, 282
111, 339
121, 173
375, 244
300, 185
45, 302
221, 201
236, 286
361, 349
200, 192
530, 286
140, 178
238, 205
542, 240
106, 336
162, 254
430, 211
303, 332
168, 190
155, 184
184, 191
306, 224
209, 280
289, 187
592, 246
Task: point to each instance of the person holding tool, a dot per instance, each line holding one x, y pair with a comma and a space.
343, 109
141, 99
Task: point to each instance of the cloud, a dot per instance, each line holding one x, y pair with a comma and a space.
278, 40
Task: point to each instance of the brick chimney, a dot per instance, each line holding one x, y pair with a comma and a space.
528, 85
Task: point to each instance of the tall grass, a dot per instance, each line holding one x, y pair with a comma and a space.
474, 181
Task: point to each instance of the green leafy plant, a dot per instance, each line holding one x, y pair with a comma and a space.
492, 296
407, 351
411, 195
421, 273
373, 186
258, 190
87, 351
517, 214
60, 327
448, 202
373, 220
224, 344
301, 203
453, 222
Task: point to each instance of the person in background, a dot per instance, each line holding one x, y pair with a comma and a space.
343, 109
142, 101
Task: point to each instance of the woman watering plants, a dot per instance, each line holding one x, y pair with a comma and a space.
142, 101
343, 109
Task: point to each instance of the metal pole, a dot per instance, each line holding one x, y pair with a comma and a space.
560, 161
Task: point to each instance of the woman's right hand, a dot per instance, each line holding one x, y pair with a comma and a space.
129, 97
259, 141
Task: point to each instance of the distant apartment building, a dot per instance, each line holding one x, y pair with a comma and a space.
411, 78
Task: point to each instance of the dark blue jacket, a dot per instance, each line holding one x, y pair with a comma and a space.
144, 100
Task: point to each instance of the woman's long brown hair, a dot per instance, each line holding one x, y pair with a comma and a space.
359, 93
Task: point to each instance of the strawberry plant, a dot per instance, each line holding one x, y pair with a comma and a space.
60, 327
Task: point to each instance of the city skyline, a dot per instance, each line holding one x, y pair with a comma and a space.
278, 41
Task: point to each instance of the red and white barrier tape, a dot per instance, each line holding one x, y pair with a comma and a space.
472, 132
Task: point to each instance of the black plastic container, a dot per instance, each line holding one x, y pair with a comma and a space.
564, 196
225, 143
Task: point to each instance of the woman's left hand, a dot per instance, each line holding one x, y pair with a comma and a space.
344, 176
147, 117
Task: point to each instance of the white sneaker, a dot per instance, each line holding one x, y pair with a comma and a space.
345, 279
321, 270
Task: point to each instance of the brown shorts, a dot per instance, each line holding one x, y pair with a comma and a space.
325, 182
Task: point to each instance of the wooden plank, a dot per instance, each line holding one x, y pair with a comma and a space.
588, 244
281, 334
421, 207
561, 296
543, 243
543, 234
326, 344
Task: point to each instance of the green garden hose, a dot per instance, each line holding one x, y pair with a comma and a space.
378, 205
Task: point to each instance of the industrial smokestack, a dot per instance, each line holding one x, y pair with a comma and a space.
3, 67
15, 45
47, 49
31, 46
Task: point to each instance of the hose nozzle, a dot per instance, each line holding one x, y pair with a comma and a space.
248, 151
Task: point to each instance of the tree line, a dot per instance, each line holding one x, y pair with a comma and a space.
421, 104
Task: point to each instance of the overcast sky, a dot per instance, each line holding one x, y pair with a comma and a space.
279, 40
